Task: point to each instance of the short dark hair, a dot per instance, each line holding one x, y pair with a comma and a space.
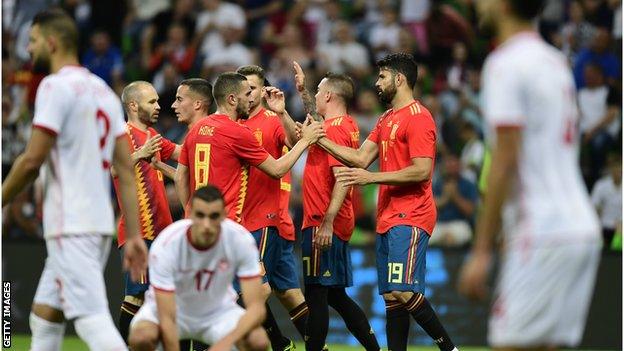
200, 87
342, 85
526, 9
251, 70
57, 21
227, 83
208, 193
402, 63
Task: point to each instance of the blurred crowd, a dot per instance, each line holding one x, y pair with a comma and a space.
165, 41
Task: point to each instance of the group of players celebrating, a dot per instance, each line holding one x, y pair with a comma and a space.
244, 150
232, 178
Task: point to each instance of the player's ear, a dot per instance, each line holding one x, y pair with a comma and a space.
231, 99
197, 105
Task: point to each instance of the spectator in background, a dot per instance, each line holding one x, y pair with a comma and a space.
599, 120
232, 55
175, 51
323, 16
105, 60
456, 74
384, 36
445, 27
456, 199
470, 100
472, 154
157, 31
577, 33
607, 198
414, 16
344, 55
368, 109
599, 53
215, 17
257, 12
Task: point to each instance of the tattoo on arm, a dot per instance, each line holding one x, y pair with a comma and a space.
309, 104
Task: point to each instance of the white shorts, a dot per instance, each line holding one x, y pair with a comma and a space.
543, 295
72, 280
208, 330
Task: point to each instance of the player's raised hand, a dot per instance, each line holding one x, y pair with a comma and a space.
354, 176
135, 257
323, 238
299, 76
275, 99
152, 146
473, 275
312, 131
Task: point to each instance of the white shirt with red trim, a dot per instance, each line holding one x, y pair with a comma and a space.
86, 116
201, 278
528, 84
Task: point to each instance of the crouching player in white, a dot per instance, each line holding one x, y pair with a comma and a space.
192, 264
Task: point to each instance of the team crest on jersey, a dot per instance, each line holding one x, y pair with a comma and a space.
223, 265
258, 134
355, 136
206, 130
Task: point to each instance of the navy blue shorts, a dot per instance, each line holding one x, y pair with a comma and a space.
330, 267
401, 259
277, 260
135, 288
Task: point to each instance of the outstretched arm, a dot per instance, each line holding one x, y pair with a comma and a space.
308, 100
361, 158
418, 171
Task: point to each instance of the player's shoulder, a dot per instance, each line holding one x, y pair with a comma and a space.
172, 234
235, 233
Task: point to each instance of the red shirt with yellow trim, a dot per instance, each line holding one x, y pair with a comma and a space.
262, 206
154, 213
219, 151
401, 136
318, 178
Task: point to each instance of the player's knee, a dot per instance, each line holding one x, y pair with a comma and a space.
257, 340
143, 337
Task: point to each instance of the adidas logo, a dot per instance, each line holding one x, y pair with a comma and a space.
327, 274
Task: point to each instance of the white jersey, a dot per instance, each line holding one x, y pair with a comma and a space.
86, 116
201, 278
528, 84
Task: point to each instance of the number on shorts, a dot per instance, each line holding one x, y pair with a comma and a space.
202, 164
395, 272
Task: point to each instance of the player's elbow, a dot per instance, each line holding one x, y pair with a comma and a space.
31, 164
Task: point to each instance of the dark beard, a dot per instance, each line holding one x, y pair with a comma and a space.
241, 112
386, 96
41, 66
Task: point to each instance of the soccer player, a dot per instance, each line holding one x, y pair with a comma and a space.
192, 265
218, 150
261, 212
140, 102
535, 192
78, 133
404, 141
328, 219
193, 100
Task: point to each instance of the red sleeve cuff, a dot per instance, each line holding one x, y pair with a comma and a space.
509, 126
246, 277
46, 130
162, 289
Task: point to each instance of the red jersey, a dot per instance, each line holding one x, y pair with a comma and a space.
219, 151
262, 205
318, 178
286, 227
402, 135
154, 213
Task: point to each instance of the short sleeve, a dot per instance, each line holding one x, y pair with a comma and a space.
503, 95
188, 140
51, 106
247, 148
248, 259
161, 268
421, 137
167, 147
340, 135
280, 133
374, 134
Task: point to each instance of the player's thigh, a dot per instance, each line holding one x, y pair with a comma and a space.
268, 247
406, 259
78, 262
284, 276
542, 295
221, 324
48, 288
